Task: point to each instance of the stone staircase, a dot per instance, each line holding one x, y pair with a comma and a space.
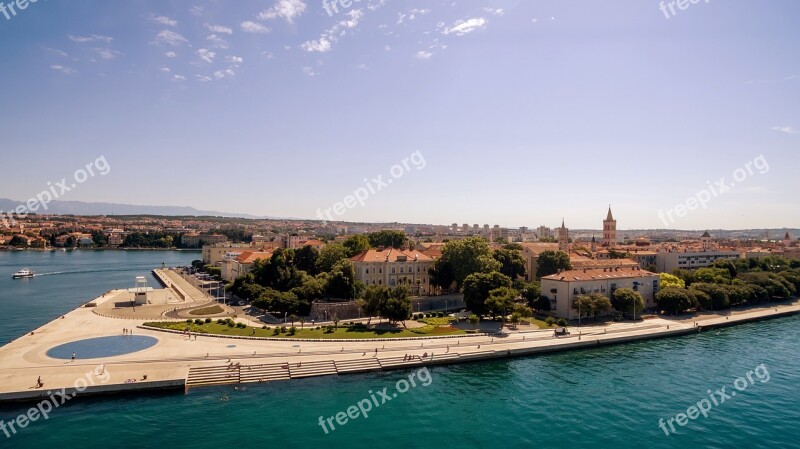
264, 373
312, 369
357, 366
212, 375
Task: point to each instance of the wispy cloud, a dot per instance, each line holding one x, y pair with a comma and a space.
89, 38
284, 9
496, 12
206, 55
785, 129
423, 54
253, 27
63, 69
106, 53
332, 35
218, 29
163, 20
170, 37
463, 27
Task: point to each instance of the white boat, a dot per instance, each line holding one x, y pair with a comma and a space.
23, 273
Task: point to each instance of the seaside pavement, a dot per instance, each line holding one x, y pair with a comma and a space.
168, 363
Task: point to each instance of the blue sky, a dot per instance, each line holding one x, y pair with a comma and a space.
524, 111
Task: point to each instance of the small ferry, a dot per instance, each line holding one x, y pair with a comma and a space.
23, 273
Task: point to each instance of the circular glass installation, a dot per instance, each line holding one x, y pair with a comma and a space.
95, 348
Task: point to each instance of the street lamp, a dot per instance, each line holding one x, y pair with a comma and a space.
445, 307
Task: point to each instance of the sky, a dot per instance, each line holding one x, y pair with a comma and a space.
507, 112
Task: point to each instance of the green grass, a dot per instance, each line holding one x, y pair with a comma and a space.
308, 332
536, 322
212, 310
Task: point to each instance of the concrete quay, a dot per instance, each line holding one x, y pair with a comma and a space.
176, 361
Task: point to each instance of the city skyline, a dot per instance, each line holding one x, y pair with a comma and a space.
523, 113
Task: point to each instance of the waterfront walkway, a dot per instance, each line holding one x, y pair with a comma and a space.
178, 361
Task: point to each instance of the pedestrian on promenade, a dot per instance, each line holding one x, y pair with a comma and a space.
73, 356
39, 383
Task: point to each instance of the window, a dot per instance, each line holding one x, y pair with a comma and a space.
392, 270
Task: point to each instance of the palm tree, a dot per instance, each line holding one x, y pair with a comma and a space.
335, 322
292, 318
302, 323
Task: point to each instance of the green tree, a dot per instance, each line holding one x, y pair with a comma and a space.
512, 262
474, 320
387, 239
551, 262
675, 300
330, 256
398, 306
305, 259
501, 300
374, 300
670, 280
19, 241
342, 282
624, 300
531, 292
465, 257
356, 244
477, 287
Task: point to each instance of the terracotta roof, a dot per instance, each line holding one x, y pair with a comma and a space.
390, 255
252, 256
599, 274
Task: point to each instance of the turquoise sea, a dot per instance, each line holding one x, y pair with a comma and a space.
605, 398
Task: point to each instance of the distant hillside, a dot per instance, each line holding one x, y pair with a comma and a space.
83, 208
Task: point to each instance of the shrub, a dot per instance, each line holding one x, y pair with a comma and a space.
241, 325
208, 320
562, 322
230, 323
440, 314
198, 321
221, 321
550, 321
329, 329
264, 327
283, 329
189, 321
292, 330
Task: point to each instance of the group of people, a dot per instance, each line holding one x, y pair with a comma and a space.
127, 331
410, 357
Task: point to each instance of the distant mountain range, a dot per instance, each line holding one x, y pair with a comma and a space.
84, 208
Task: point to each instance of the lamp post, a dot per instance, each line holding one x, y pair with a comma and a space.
445, 307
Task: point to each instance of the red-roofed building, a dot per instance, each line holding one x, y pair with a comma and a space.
393, 267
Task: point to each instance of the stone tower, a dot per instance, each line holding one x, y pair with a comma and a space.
563, 238
610, 230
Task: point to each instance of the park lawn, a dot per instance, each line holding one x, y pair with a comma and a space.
308, 332
212, 310
536, 322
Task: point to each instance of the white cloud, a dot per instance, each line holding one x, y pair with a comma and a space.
216, 41
322, 45
163, 20
89, 38
170, 37
285, 9
308, 70
253, 27
462, 27
179, 78
170, 54
203, 78
165, 69
387, 48
56, 52
63, 69
423, 54
218, 29
332, 35
206, 55
785, 129
106, 53
196, 11
497, 12
234, 59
